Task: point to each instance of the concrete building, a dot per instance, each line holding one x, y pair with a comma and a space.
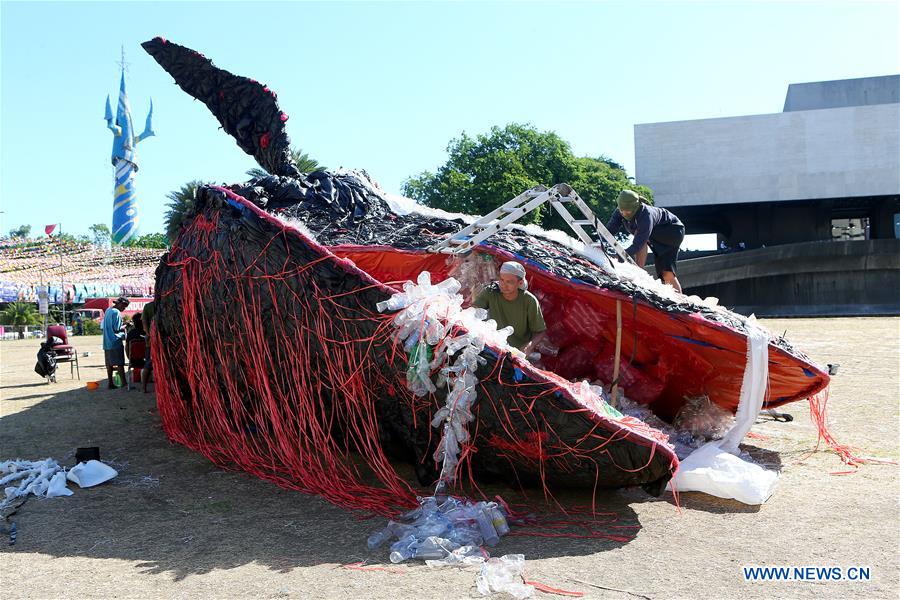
827, 168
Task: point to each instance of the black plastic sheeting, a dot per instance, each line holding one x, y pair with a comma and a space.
247, 110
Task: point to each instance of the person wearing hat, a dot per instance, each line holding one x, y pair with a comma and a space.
509, 303
651, 226
114, 340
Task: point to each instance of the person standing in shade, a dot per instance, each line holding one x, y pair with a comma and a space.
114, 340
509, 303
651, 226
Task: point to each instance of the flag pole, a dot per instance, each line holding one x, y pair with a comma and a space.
62, 274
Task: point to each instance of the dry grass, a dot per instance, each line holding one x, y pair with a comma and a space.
174, 525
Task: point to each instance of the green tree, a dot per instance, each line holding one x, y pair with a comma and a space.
484, 172
301, 160
101, 234
22, 231
149, 240
68, 237
180, 205
21, 313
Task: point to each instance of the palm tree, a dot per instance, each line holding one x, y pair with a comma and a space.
182, 202
21, 313
301, 160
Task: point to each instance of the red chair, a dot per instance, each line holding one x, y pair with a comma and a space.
137, 353
64, 351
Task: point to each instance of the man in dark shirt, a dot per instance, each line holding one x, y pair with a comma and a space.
651, 226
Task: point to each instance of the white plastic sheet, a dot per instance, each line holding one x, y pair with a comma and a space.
713, 468
91, 473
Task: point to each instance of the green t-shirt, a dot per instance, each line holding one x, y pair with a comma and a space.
523, 313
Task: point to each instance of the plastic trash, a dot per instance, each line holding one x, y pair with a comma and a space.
461, 557
486, 526
498, 520
713, 471
57, 486
439, 527
703, 419
38, 477
403, 549
91, 473
434, 548
504, 574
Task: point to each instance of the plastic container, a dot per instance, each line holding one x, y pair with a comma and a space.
93, 385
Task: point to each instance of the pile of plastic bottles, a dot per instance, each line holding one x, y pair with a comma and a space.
428, 315
473, 271
445, 530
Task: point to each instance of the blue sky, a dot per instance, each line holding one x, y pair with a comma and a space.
385, 86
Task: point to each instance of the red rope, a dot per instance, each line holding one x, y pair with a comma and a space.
818, 404
283, 379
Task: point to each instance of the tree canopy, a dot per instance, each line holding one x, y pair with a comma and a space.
148, 240
101, 234
483, 172
301, 160
22, 231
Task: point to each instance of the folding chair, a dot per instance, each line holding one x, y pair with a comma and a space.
64, 352
137, 351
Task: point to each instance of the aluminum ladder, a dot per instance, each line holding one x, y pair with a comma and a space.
558, 196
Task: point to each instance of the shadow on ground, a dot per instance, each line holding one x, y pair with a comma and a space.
171, 510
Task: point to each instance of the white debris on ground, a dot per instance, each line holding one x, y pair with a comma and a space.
44, 478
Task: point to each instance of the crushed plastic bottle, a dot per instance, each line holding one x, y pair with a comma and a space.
504, 574
461, 557
434, 548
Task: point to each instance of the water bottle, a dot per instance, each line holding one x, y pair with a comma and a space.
117, 379
434, 525
486, 526
498, 520
377, 539
403, 549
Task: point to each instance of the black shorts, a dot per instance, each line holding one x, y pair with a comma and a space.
665, 241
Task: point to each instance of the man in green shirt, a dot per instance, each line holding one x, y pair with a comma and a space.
509, 302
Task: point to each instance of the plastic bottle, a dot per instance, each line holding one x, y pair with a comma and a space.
403, 549
434, 525
117, 379
498, 520
377, 539
486, 526
434, 548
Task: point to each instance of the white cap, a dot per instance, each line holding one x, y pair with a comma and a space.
513, 268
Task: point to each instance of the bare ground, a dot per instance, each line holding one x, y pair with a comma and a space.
173, 525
